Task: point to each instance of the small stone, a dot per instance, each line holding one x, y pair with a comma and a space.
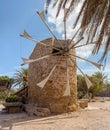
43, 111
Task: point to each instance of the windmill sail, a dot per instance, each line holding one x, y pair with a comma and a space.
73, 45
65, 11
28, 61
53, 40
26, 35
67, 91
43, 82
74, 35
94, 63
65, 30
88, 82
91, 43
41, 14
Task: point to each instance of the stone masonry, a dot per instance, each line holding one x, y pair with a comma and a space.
51, 96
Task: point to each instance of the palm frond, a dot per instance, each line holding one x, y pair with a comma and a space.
55, 3
81, 10
59, 7
64, 3
94, 16
21, 78
73, 4
47, 5
105, 31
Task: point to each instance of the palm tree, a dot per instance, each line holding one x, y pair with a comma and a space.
5, 83
98, 79
81, 86
5, 86
21, 78
95, 15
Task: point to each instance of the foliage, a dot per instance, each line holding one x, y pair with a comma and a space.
12, 98
82, 87
94, 16
5, 78
98, 83
21, 78
3, 95
108, 86
6, 81
98, 79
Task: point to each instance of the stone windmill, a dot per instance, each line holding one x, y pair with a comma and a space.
52, 72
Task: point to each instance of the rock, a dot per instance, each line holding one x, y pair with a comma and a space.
43, 111
73, 107
37, 111
83, 103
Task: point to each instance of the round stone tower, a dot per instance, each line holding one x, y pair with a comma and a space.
51, 96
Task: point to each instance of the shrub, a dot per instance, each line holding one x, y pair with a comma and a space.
12, 98
3, 95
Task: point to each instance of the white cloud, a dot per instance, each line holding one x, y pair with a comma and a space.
82, 51
58, 22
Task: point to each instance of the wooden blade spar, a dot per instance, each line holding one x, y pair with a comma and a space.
65, 35
41, 14
88, 82
27, 36
73, 45
28, 61
94, 63
67, 90
43, 82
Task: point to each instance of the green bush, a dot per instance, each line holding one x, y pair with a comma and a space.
5, 78
3, 95
12, 98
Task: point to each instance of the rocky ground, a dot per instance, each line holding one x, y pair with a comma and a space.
95, 117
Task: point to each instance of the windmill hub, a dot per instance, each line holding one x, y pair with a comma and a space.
66, 49
58, 51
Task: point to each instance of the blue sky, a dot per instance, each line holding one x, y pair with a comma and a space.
17, 15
